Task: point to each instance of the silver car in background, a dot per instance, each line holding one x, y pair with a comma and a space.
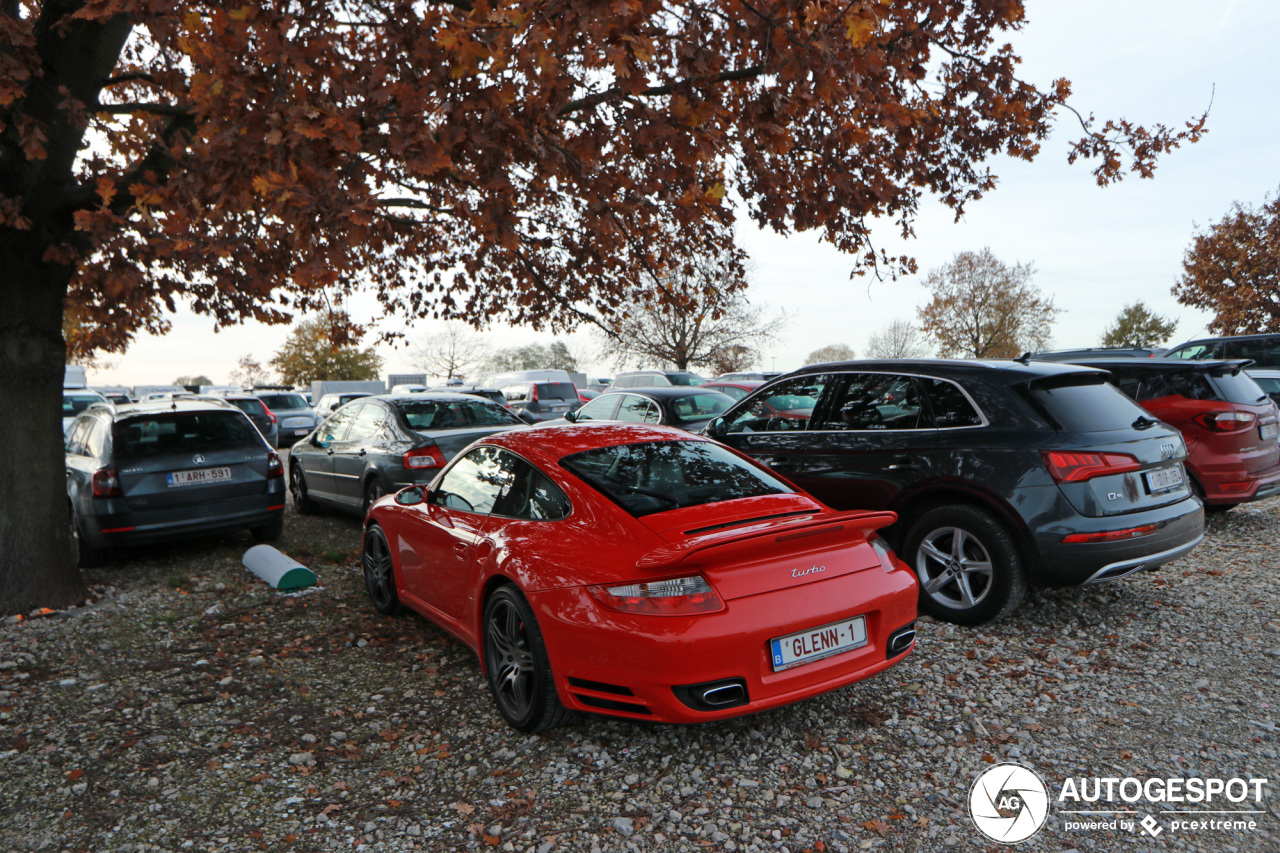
295, 419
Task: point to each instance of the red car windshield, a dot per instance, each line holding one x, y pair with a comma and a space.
663, 475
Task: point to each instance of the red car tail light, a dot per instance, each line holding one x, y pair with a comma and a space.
533, 393
106, 483
1230, 421
1112, 535
429, 456
671, 597
1068, 467
270, 414
275, 468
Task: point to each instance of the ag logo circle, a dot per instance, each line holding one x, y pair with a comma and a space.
1008, 803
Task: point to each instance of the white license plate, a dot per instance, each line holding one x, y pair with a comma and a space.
199, 476
302, 431
1164, 479
1269, 430
817, 643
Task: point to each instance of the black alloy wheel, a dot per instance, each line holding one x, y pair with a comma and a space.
969, 567
298, 488
372, 491
515, 661
379, 573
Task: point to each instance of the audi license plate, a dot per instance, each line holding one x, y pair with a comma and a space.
1268, 430
817, 643
200, 476
1164, 479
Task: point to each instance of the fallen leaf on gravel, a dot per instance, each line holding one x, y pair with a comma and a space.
877, 826
462, 808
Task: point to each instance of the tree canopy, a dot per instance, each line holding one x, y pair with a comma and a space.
1138, 326
897, 339
1232, 268
540, 164
313, 352
983, 308
831, 352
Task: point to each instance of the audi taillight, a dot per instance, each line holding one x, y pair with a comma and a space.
419, 458
671, 597
106, 483
1230, 421
1112, 535
1073, 467
275, 468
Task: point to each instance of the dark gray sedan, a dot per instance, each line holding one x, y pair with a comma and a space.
688, 408
380, 444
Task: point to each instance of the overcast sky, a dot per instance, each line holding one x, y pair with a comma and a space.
1094, 250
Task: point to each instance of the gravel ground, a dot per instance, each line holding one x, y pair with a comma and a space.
189, 707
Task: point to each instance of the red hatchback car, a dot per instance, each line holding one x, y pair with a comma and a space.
641, 572
1227, 421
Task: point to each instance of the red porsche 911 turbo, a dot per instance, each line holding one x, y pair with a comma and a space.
642, 572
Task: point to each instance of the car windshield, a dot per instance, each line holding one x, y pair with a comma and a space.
182, 432
557, 391
661, 475
250, 407
453, 414
283, 401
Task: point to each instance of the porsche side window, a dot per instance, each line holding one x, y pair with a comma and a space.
783, 407
474, 483
529, 493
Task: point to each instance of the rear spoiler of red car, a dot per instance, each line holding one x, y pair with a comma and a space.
754, 541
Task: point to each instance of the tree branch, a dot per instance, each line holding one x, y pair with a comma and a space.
154, 109
616, 94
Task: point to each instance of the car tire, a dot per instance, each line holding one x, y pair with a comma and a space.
372, 491
302, 501
269, 532
379, 572
516, 664
969, 567
87, 556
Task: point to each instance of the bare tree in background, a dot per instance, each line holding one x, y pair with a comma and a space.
451, 351
249, 373
982, 308
703, 320
831, 352
900, 339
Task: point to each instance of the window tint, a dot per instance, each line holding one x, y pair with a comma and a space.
336, 426
1265, 353
1270, 384
516, 393
74, 441
1237, 388
685, 379
1192, 351
873, 401
451, 414
782, 407
475, 482
735, 393
283, 401
183, 432
95, 440
602, 408
637, 410
368, 421
1192, 384
528, 493
1094, 407
557, 391
251, 407
74, 404
951, 408
662, 475
698, 407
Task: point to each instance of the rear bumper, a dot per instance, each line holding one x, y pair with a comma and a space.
112, 530
1178, 529
647, 667
1234, 486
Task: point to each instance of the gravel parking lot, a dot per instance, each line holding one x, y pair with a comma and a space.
189, 707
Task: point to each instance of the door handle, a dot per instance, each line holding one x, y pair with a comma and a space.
460, 550
904, 463
779, 463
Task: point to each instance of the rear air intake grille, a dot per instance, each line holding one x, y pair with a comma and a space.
749, 521
600, 686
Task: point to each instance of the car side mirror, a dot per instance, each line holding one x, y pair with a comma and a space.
411, 496
717, 428
525, 416
571, 417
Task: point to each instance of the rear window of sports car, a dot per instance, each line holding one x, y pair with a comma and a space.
658, 476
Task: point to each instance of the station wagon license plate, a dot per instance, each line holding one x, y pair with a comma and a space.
1268, 430
817, 643
200, 476
1164, 479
